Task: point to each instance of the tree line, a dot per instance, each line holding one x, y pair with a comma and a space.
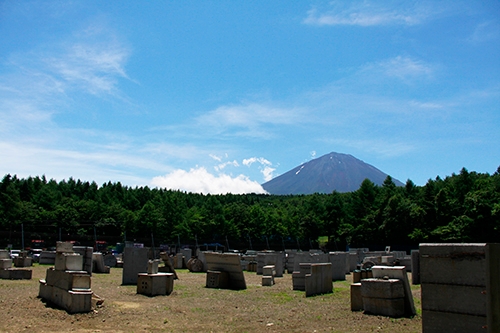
463, 207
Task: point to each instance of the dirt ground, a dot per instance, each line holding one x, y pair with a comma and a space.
194, 308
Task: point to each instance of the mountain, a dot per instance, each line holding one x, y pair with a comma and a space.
334, 171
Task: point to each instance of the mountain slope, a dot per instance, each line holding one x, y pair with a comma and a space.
334, 171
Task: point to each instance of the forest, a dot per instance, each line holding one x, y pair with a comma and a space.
463, 207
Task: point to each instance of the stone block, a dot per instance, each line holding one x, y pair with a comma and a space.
439, 322
380, 288
269, 270
153, 266
179, 260
394, 307
217, 279
47, 258
87, 253
356, 298
252, 266
230, 263
339, 265
299, 277
68, 280
397, 272
64, 247
22, 262
98, 265
267, 280
470, 300
4, 254
155, 284
15, 274
135, 261
71, 301
68, 261
459, 264
319, 281
110, 260
5, 263
415, 267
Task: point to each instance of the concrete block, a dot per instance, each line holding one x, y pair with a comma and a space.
439, 322
68, 261
459, 264
252, 266
380, 288
15, 274
64, 247
269, 270
339, 264
68, 280
470, 300
415, 267
299, 277
135, 261
47, 258
179, 260
394, 307
98, 265
153, 266
230, 263
353, 261
217, 279
356, 298
267, 280
87, 253
319, 281
155, 284
397, 272
71, 301
5, 263
4, 254
110, 260
23, 262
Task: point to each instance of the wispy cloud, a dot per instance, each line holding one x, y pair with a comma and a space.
368, 13
400, 67
485, 32
266, 166
199, 180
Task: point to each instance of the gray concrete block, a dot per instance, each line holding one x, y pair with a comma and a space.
217, 279
470, 300
155, 284
267, 280
390, 307
4, 254
230, 263
319, 281
460, 264
339, 265
64, 247
68, 261
415, 267
380, 288
135, 261
356, 298
5, 263
439, 322
68, 280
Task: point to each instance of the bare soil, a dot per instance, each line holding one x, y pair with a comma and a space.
194, 308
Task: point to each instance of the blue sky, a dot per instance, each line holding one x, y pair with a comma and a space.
220, 96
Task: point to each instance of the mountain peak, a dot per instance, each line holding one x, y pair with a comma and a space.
325, 174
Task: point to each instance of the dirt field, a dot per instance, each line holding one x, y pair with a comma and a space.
194, 308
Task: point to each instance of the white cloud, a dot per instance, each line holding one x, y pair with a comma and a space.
221, 166
266, 169
199, 180
399, 67
367, 13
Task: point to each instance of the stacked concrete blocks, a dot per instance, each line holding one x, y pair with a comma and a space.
268, 274
67, 285
299, 276
154, 283
98, 265
387, 293
460, 287
9, 273
270, 258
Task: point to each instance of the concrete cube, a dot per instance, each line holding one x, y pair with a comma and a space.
68, 261
319, 281
155, 284
5, 263
135, 261
64, 247
267, 280
68, 280
217, 279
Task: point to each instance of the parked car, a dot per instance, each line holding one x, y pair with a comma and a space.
14, 253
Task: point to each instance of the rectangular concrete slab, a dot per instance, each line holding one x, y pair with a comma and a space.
439, 322
230, 263
471, 300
